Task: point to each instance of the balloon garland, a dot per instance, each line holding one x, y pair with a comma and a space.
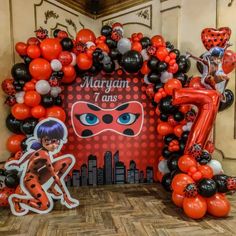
186, 106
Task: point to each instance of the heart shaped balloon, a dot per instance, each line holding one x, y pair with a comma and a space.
215, 37
229, 61
229, 99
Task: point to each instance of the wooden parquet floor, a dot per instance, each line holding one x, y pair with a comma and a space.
118, 210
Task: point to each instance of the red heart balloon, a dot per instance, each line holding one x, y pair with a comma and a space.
229, 61
215, 37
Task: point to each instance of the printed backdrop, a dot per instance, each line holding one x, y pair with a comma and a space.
102, 108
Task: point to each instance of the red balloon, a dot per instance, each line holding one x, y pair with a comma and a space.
178, 199
50, 48
195, 207
68, 71
206, 171
4, 195
56, 112
29, 86
38, 111
68, 79
137, 46
218, 205
207, 102
162, 53
14, 142
180, 181
145, 69
33, 41
185, 162
20, 111
85, 35
104, 47
65, 58
229, 61
172, 84
32, 98
40, 69
158, 41
195, 83
83, 61
62, 34
8, 87
21, 48
178, 130
33, 51
164, 128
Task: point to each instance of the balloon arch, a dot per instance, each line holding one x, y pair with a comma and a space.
186, 107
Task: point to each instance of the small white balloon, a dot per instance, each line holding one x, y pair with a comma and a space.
165, 76
42, 87
56, 65
124, 45
20, 94
106, 60
73, 63
144, 54
162, 167
58, 89
54, 91
20, 100
216, 167
89, 44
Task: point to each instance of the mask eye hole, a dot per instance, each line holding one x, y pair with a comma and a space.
127, 118
88, 119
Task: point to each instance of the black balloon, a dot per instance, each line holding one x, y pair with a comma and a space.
28, 125
23, 144
96, 67
170, 137
47, 101
166, 153
58, 101
27, 60
109, 68
163, 117
204, 158
111, 43
178, 116
55, 32
20, 72
158, 85
166, 105
172, 163
145, 42
161, 67
221, 182
183, 78
11, 181
184, 135
184, 64
152, 63
207, 187
115, 54
199, 65
106, 30
177, 52
166, 182
67, 44
229, 100
154, 78
181, 146
2, 172
132, 61
169, 45
13, 124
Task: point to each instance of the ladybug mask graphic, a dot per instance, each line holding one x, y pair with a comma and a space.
89, 119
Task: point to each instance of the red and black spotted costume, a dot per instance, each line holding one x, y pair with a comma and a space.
39, 170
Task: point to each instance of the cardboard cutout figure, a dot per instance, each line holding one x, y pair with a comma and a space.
42, 178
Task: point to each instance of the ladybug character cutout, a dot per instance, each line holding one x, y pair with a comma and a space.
42, 178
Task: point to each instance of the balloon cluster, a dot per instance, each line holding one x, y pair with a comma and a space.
197, 181
8, 183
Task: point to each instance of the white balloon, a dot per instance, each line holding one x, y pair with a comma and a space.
20, 94
73, 63
20, 100
42, 87
54, 91
162, 167
216, 167
123, 45
146, 81
58, 89
144, 54
56, 65
165, 76
106, 60
89, 44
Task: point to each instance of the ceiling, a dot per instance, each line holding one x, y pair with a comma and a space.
99, 8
